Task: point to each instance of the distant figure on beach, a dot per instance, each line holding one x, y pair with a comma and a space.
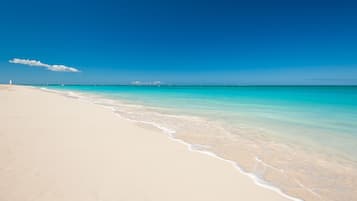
10, 82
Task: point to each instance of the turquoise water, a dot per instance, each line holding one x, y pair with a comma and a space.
301, 139
314, 115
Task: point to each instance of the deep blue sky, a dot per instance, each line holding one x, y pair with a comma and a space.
184, 42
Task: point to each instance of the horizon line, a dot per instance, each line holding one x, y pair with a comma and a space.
178, 85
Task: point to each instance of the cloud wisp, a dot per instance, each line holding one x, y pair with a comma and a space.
156, 83
35, 63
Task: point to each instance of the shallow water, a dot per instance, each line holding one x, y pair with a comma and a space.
300, 139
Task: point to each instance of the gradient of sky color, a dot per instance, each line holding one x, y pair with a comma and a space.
182, 42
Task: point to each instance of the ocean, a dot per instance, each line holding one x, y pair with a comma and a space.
301, 139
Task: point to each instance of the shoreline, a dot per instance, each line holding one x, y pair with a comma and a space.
191, 147
302, 189
241, 181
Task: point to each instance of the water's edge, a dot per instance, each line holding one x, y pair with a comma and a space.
171, 135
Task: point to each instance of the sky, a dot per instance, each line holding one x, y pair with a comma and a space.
179, 42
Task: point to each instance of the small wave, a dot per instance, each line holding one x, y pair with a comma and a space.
70, 94
198, 148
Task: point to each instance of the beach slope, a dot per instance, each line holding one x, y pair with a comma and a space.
58, 148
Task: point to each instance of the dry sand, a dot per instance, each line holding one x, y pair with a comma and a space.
58, 148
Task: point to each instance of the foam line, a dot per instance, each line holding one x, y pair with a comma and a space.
191, 147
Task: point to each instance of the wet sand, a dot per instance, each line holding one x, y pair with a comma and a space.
58, 148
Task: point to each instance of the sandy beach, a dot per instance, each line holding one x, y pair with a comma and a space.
58, 148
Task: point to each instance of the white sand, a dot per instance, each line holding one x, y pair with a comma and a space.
57, 148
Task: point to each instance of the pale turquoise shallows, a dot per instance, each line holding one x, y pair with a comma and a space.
323, 116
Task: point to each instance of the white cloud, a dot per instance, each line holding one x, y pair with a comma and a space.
57, 68
135, 82
156, 82
146, 83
